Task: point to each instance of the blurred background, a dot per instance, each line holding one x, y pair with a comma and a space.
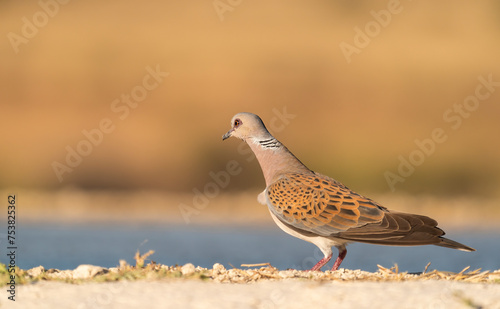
95, 130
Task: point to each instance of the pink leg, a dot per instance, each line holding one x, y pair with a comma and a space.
322, 263
340, 258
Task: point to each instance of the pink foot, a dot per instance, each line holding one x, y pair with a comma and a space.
340, 258
321, 263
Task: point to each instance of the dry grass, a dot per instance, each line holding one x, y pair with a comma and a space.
247, 274
384, 274
218, 273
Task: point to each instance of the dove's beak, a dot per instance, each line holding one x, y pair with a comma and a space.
227, 135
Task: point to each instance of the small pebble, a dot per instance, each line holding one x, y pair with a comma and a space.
36, 271
88, 271
114, 270
187, 269
61, 274
218, 269
165, 267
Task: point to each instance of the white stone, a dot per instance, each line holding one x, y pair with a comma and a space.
218, 268
187, 269
36, 271
88, 271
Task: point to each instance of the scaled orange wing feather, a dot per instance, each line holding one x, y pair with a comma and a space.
320, 204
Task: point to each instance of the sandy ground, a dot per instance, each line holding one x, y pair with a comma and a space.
262, 294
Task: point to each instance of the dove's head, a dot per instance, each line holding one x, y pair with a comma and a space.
247, 126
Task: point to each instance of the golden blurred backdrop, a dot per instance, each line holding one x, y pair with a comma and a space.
136, 95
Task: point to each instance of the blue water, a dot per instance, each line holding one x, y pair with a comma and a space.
67, 246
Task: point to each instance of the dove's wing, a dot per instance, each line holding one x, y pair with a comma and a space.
321, 205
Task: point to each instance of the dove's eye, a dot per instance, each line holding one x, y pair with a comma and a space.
237, 123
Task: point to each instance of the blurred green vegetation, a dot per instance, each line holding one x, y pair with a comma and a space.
352, 120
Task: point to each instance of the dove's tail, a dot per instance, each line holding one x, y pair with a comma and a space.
402, 229
448, 243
